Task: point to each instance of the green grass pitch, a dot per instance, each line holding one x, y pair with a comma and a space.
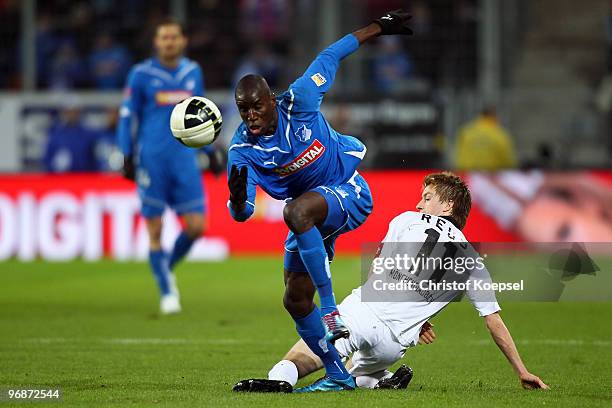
93, 331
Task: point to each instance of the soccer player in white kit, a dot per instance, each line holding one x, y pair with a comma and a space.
383, 328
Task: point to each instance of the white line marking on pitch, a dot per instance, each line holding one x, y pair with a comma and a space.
137, 341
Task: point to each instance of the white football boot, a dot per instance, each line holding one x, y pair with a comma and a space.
171, 303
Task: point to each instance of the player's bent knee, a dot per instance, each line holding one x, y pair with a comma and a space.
297, 307
297, 218
194, 231
154, 228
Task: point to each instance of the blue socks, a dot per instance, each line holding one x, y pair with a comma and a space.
182, 245
314, 256
312, 332
161, 272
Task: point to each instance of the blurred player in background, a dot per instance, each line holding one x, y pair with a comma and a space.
165, 171
383, 325
286, 146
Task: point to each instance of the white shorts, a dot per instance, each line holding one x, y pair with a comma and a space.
373, 345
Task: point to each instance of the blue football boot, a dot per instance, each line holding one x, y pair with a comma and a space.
329, 384
334, 327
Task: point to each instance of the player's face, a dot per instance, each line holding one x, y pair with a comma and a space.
258, 111
431, 204
169, 42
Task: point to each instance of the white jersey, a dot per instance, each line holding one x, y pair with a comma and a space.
422, 235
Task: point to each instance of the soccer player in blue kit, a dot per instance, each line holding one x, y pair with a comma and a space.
165, 171
286, 146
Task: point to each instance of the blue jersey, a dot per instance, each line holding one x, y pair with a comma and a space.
150, 95
304, 152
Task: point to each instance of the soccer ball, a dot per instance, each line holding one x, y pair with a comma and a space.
196, 122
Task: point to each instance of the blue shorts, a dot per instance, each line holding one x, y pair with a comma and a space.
175, 182
348, 206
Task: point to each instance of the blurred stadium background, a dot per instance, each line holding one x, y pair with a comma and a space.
541, 63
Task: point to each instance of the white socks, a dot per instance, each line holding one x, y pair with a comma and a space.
284, 370
369, 381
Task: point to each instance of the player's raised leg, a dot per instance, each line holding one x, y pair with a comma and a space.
158, 259
302, 216
194, 228
298, 300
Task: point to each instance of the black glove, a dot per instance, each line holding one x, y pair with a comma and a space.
394, 22
129, 170
237, 184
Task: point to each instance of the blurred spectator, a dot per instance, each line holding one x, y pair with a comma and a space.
81, 24
70, 146
265, 20
67, 69
423, 49
391, 65
261, 61
483, 144
47, 43
462, 48
109, 62
421, 22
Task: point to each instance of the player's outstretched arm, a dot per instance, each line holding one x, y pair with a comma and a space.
308, 90
504, 341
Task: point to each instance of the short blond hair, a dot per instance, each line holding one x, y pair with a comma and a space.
451, 188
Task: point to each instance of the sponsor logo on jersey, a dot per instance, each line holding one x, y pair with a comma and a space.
318, 79
305, 159
171, 97
303, 134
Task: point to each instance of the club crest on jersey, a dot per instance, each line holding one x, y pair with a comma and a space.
318, 79
303, 134
305, 159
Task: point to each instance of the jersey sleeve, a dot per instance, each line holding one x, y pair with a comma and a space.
236, 159
308, 90
131, 108
484, 301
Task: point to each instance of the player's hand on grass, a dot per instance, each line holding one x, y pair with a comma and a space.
129, 170
394, 22
237, 184
531, 382
427, 335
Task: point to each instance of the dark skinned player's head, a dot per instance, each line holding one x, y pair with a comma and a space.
257, 105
